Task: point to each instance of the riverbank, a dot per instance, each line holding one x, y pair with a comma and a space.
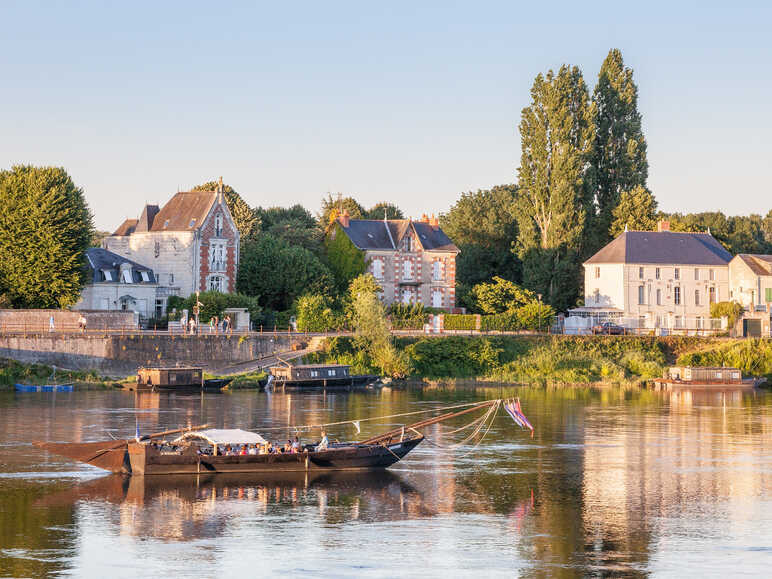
539, 360
13, 372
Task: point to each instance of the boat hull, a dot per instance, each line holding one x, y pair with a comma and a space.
146, 460
43, 387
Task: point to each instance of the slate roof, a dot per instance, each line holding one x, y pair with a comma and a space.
100, 260
663, 247
127, 227
372, 234
185, 211
759, 264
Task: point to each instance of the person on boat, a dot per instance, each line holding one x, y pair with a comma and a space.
264, 449
324, 443
252, 449
243, 450
296, 445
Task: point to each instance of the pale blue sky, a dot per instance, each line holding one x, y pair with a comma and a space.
410, 102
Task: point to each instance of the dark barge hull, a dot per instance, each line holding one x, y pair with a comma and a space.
212, 385
342, 382
142, 459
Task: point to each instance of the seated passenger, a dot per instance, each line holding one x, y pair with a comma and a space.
324, 443
252, 449
243, 450
264, 449
296, 445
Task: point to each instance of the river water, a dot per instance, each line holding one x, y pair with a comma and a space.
613, 483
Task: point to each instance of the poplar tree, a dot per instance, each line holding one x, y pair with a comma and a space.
619, 152
45, 229
556, 133
636, 210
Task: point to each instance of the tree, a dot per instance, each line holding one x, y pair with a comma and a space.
636, 210
500, 295
331, 209
278, 273
295, 225
45, 229
315, 313
372, 334
738, 234
214, 303
378, 210
556, 133
246, 219
483, 226
345, 260
767, 227
619, 150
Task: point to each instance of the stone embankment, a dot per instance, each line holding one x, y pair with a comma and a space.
120, 355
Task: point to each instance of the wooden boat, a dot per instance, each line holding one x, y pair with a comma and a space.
176, 378
44, 387
318, 375
198, 450
718, 377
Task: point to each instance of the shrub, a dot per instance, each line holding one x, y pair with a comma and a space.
732, 310
315, 314
460, 322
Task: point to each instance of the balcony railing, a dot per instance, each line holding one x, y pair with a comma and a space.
217, 265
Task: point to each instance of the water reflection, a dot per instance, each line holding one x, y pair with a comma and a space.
614, 482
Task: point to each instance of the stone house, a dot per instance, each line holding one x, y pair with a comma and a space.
191, 243
656, 279
750, 284
413, 261
118, 283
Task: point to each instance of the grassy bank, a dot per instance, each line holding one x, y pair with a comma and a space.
13, 372
558, 359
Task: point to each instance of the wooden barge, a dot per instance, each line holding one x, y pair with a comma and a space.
199, 451
705, 377
184, 378
319, 375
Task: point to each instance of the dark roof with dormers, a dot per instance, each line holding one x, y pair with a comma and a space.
100, 260
127, 227
758, 264
372, 234
663, 247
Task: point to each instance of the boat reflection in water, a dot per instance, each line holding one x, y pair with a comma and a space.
184, 508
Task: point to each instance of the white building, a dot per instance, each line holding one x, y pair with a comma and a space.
117, 283
656, 280
750, 284
191, 243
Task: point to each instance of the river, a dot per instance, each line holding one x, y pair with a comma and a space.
614, 482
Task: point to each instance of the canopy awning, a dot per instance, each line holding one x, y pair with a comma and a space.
221, 436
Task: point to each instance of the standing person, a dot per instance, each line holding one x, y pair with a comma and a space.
230, 324
82, 323
192, 325
216, 324
51, 323
211, 325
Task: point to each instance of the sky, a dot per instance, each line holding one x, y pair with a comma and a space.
407, 102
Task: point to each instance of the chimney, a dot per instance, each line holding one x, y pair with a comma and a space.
663, 226
424, 218
345, 218
219, 191
434, 223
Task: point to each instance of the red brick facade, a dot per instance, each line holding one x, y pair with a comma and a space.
209, 237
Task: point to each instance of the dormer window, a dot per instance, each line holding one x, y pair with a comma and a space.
166, 224
145, 276
192, 223
126, 276
107, 275
408, 243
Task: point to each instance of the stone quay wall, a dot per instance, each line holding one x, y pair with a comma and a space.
121, 355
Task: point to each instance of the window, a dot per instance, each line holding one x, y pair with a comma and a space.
677, 295
659, 297
711, 274
107, 274
192, 222
641, 295
438, 270
218, 225
712, 295
157, 249
407, 269
126, 276
696, 297
145, 276
699, 323
679, 322
331, 372
216, 283
166, 224
378, 268
656, 273
596, 296
677, 273
408, 244
696, 274
436, 299
171, 279
314, 373
640, 272
768, 294
217, 257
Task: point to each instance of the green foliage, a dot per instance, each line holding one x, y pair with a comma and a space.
277, 273
636, 209
752, 356
732, 310
45, 230
12, 372
214, 304
531, 316
483, 226
408, 316
460, 322
373, 336
246, 219
619, 160
331, 208
500, 295
738, 234
294, 225
557, 133
315, 314
377, 211
345, 260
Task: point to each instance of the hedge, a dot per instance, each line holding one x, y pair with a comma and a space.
460, 322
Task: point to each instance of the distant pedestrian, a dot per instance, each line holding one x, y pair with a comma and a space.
229, 324
192, 325
216, 324
51, 323
82, 323
212, 325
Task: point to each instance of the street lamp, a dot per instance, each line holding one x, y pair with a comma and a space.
539, 296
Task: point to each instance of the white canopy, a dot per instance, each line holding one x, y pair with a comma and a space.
221, 436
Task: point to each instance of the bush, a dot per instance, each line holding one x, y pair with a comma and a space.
407, 316
460, 322
315, 314
213, 304
732, 310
